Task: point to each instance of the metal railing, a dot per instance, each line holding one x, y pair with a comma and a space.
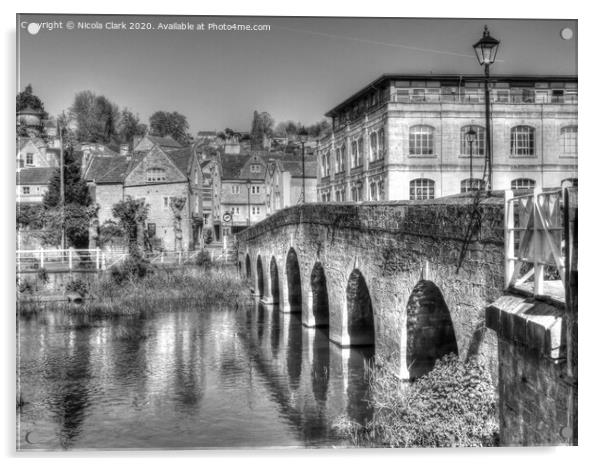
534, 242
62, 259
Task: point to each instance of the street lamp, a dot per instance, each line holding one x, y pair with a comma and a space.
303, 136
486, 50
248, 202
471, 136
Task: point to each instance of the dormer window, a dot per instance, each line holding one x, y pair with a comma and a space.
154, 175
255, 168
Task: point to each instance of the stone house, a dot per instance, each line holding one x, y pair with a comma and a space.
162, 178
284, 182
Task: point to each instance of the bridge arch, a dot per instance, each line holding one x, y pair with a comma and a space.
429, 327
260, 290
274, 283
319, 296
293, 280
360, 315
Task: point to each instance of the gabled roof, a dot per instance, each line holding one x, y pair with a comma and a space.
108, 169
35, 175
38, 142
181, 159
164, 141
232, 165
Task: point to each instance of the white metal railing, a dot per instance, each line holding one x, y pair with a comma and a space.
533, 233
173, 257
61, 259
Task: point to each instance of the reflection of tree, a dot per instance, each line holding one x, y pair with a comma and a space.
70, 388
294, 351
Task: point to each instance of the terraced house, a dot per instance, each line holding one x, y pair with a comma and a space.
170, 182
404, 137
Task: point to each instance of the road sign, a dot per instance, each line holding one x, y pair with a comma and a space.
227, 217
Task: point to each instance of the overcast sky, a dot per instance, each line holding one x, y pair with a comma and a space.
298, 70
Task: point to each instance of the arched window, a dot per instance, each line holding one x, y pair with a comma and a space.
522, 183
154, 175
569, 141
354, 155
474, 184
421, 140
373, 146
522, 141
381, 143
422, 189
478, 146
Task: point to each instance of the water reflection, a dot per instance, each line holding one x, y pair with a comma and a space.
185, 380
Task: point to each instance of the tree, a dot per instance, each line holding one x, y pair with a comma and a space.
96, 117
76, 189
171, 124
129, 126
132, 213
26, 98
78, 211
262, 125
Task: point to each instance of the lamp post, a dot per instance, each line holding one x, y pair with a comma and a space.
486, 50
248, 202
471, 136
302, 135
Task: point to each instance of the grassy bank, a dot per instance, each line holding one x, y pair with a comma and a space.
454, 405
159, 289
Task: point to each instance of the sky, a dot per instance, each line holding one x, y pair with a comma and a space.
298, 70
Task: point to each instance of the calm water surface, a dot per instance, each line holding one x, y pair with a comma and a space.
185, 380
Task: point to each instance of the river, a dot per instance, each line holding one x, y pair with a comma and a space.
182, 379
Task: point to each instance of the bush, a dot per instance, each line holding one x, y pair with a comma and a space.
77, 286
203, 258
42, 275
132, 268
25, 286
454, 405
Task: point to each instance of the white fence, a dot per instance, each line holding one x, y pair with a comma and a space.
534, 242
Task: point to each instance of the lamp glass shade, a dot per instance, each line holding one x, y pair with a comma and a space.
471, 135
486, 48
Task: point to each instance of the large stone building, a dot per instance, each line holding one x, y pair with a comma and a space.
403, 137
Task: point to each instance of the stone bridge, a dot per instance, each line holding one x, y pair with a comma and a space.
412, 278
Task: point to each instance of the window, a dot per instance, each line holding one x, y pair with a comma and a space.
256, 210
354, 156
418, 95
154, 175
381, 190
255, 168
373, 192
522, 141
473, 184
29, 158
235, 189
151, 229
569, 140
343, 157
502, 95
422, 189
196, 177
478, 146
381, 143
197, 204
236, 210
356, 192
522, 183
373, 146
421, 140
166, 200
255, 189
326, 164
360, 151
25, 189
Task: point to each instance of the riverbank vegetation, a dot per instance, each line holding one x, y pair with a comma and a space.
454, 405
137, 287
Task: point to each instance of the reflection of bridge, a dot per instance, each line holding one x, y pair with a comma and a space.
311, 380
414, 279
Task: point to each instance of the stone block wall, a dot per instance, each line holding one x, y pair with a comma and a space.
534, 392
